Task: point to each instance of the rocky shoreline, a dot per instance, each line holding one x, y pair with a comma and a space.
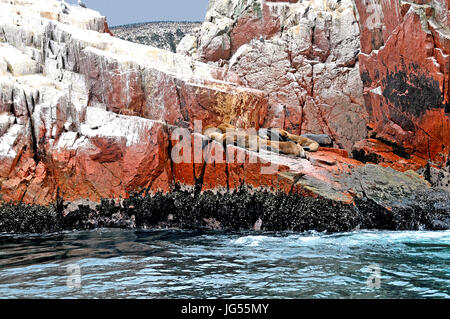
88, 121
243, 209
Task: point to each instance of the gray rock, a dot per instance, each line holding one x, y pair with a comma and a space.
386, 186
439, 178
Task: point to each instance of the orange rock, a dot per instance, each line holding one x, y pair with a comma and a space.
343, 153
377, 152
110, 168
406, 78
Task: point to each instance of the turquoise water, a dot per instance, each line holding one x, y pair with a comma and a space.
192, 264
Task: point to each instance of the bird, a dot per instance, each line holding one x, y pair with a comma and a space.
81, 4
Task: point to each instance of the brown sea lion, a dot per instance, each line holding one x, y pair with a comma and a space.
276, 140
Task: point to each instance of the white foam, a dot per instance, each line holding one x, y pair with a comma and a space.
251, 241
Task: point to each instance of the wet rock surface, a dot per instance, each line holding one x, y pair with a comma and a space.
242, 209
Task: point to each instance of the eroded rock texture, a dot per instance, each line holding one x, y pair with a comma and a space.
350, 69
85, 116
404, 65
304, 54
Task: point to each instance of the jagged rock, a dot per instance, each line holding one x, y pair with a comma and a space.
89, 118
16, 62
82, 116
188, 46
439, 178
386, 186
386, 154
405, 70
304, 54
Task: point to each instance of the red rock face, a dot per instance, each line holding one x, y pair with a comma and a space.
119, 137
127, 90
405, 69
232, 167
127, 155
27, 182
375, 151
254, 24
304, 56
107, 30
109, 168
99, 167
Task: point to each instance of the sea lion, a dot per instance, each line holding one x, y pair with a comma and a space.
276, 140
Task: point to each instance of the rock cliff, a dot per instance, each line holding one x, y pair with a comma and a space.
405, 70
85, 116
304, 54
371, 74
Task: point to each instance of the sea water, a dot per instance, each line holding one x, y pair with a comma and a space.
208, 264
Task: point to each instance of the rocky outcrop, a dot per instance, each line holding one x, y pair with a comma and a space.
303, 53
237, 210
85, 115
404, 64
350, 69
87, 121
